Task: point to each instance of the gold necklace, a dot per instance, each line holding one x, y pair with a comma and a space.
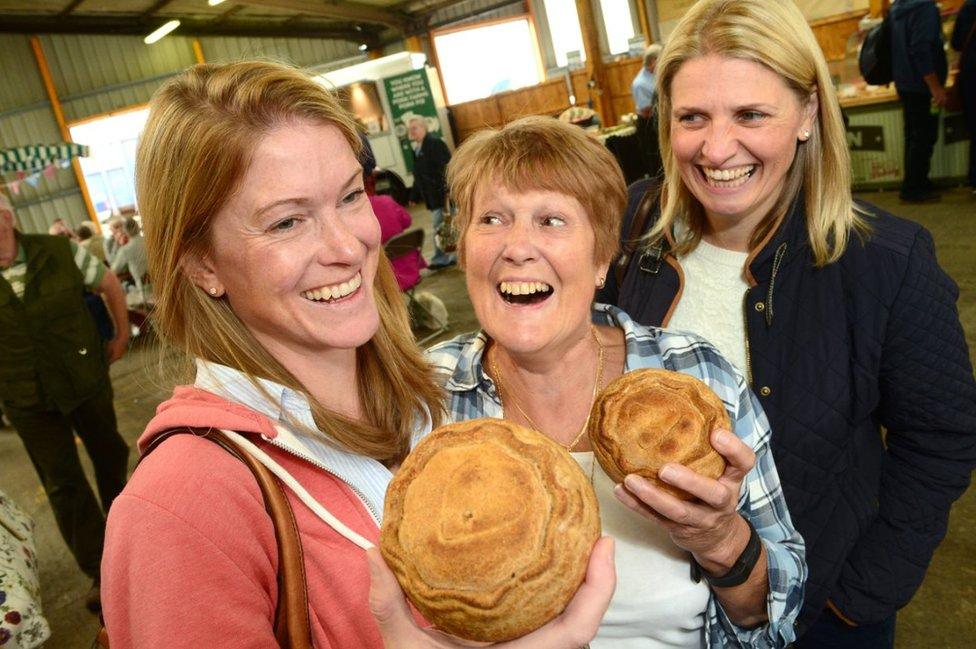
497, 376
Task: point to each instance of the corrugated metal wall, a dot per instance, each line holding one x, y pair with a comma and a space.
472, 11
94, 75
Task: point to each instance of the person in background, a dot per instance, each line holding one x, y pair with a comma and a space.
131, 255
271, 280
643, 89
964, 41
54, 379
90, 241
836, 311
60, 229
430, 158
919, 68
394, 219
112, 244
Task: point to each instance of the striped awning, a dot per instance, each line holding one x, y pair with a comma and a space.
34, 157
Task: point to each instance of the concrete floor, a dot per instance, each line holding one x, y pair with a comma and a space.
943, 613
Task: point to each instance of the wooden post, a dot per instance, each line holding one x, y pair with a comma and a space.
645, 23
600, 92
52, 95
414, 44
198, 51
879, 8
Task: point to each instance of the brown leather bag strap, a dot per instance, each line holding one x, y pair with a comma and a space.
630, 240
292, 627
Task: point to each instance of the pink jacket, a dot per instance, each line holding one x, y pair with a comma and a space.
190, 556
394, 219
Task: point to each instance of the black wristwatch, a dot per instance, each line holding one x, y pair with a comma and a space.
740, 570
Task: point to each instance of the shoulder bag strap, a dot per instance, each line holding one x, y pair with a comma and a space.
292, 627
638, 225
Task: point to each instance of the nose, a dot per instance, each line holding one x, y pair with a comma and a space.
720, 143
520, 245
340, 243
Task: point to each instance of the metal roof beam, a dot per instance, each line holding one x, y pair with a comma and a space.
71, 7
159, 5
344, 10
135, 26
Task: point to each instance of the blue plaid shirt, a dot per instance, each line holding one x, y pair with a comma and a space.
472, 394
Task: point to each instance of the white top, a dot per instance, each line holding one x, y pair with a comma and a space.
711, 303
656, 604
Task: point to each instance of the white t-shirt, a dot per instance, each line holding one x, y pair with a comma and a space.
656, 604
711, 300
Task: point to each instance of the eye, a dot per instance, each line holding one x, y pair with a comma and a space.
752, 116
353, 196
553, 220
489, 219
285, 224
690, 119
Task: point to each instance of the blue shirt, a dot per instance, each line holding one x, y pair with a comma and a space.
643, 88
916, 45
472, 394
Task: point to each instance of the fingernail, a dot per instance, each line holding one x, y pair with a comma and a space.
722, 438
632, 482
667, 473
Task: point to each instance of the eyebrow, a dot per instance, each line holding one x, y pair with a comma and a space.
695, 109
301, 201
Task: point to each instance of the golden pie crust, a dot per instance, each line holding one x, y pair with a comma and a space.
647, 418
488, 527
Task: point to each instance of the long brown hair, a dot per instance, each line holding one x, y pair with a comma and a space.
196, 147
772, 33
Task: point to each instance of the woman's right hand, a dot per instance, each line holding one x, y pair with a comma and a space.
573, 628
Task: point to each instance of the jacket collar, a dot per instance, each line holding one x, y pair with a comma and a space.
784, 241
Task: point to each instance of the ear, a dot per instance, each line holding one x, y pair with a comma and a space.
200, 270
601, 273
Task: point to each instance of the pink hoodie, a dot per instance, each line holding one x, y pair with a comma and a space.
190, 556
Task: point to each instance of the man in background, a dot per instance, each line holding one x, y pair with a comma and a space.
919, 68
91, 241
644, 90
111, 243
430, 158
54, 379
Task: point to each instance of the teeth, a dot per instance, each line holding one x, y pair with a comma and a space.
728, 178
334, 292
523, 288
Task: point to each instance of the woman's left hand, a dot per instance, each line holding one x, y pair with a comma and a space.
709, 527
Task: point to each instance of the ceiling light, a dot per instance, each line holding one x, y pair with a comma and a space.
214, 3
363, 47
162, 31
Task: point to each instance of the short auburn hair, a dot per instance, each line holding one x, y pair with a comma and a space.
542, 154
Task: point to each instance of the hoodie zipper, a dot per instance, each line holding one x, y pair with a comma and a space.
317, 463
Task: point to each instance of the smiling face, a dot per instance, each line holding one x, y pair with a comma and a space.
530, 268
735, 125
295, 248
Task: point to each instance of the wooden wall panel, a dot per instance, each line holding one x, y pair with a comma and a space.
832, 33
547, 98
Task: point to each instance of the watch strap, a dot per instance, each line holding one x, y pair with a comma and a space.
740, 570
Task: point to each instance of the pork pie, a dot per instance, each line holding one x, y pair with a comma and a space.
488, 527
647, 418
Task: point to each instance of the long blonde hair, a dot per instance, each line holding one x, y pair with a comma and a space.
196, 147
774, 34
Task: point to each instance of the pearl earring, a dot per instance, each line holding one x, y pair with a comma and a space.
601, 282
213, 291
806, 136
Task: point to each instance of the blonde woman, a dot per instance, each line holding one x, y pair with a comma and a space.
269, 274
836, 311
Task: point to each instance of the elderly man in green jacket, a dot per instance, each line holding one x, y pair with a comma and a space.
54, 379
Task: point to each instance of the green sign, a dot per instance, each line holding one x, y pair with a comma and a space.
409, 96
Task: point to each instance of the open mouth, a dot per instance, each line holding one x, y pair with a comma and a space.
728, 178
334, 292
524, 292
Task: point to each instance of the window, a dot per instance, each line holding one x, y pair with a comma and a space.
475, 64
110, 169
564, 28
619, 24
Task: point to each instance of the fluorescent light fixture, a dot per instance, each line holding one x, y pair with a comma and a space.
162, 31
363, 47
214, 3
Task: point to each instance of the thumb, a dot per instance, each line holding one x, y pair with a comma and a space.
386, 601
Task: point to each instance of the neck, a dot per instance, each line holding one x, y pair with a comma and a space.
330, 376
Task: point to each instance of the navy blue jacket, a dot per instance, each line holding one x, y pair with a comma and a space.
838, 355
429, 169
916, 44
